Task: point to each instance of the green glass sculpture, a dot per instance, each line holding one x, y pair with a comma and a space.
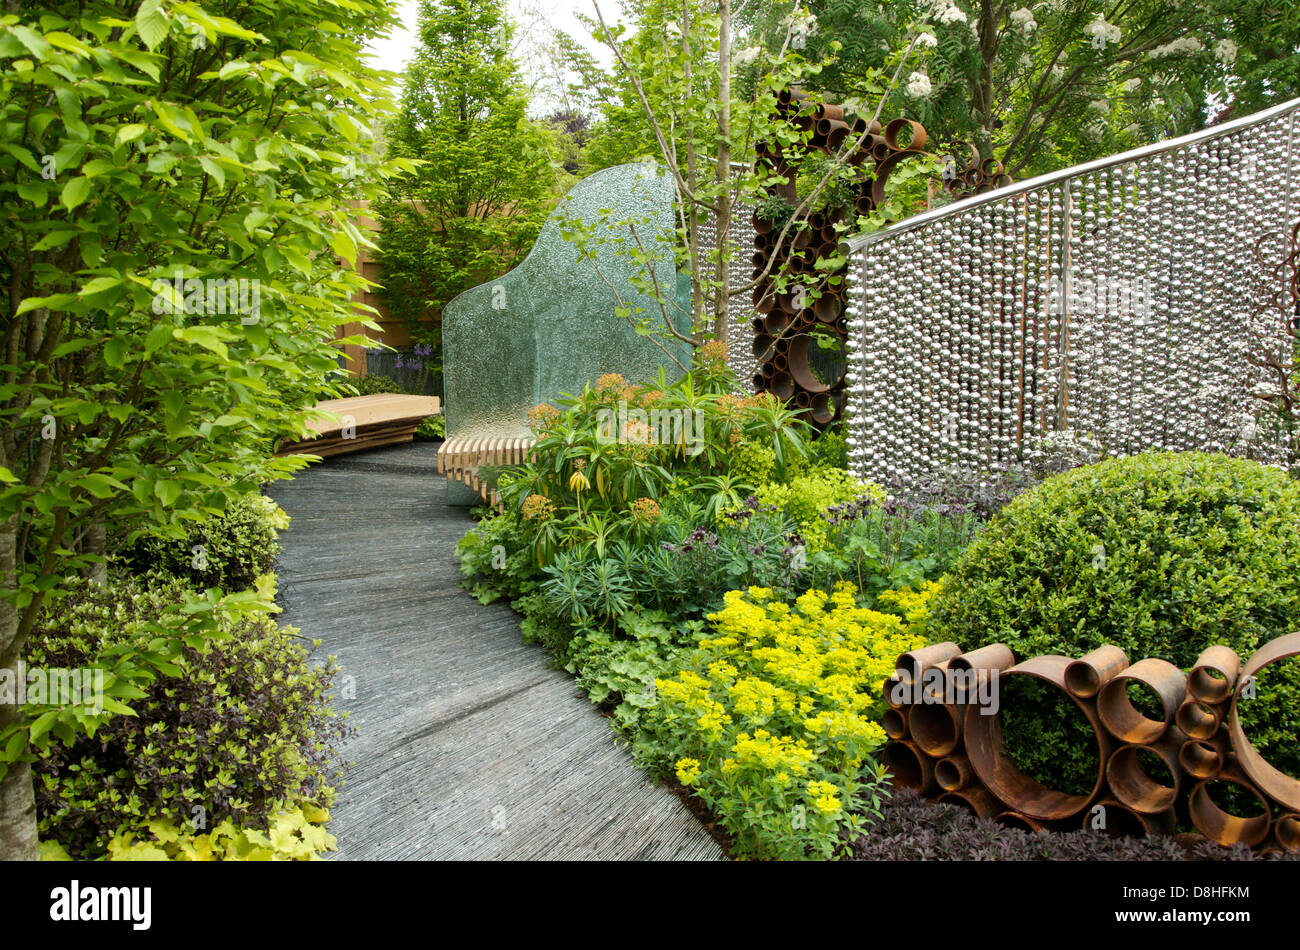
552, 324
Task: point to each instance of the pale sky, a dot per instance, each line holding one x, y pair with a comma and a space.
532, 17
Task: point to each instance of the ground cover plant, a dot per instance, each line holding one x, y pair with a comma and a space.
729, 594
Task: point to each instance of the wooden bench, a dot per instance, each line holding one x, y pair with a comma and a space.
365, 422
459, 458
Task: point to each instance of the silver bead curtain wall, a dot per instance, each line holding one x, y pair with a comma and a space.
740, 333
1113, 302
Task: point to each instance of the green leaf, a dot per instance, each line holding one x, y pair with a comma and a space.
99, 285
43, 723
213, 169
75, 192
35, 193
152, 23
344, 246
129, 133
115, 352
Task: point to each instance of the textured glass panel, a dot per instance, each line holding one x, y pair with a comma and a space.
548, 326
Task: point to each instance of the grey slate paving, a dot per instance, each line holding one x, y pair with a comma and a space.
468, 746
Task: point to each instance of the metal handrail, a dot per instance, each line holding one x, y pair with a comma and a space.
850, 245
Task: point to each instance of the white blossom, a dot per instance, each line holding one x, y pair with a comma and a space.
952, 14
1225, 51
918, 85
745, 56
1100, 105
1132, 85
1180, 46
1058, 71
1023, 20
1102, 32
927, 41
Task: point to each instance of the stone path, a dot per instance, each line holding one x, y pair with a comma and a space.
468, 745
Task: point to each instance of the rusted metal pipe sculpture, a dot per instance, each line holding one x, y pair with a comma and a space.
1204, 758
973, 798
1014, 819
895, 723
983, 736
1279, 786
1115, 818
1286, 832
791, 374
1220, 826
1122, 719
1134, 787
1198, 719
953, 773
947, 746
1213, 677
908, 767
1086, 676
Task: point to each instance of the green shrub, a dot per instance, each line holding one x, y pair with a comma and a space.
228, 552
1162, 554
809, 493
753, 463
376, 384
242, 732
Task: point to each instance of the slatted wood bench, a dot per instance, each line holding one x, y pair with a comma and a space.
459, 458
365, 422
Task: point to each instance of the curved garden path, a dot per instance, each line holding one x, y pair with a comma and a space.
468, 745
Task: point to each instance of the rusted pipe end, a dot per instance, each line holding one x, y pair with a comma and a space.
975, 799
914, 661
1215, 674
1118, 714
969, 670
1134, 788
897, 689
908, 767
894, 722
1198, 719
935, 727
983, 738
1220, 826
1286, 832
953, 773
1279, 786
1204, 758
1114, 818
1086, 676
1014, 819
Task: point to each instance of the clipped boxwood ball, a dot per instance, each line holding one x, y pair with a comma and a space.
1162, 554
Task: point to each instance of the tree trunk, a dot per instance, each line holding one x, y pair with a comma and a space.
17, 801
96, 542
722, 313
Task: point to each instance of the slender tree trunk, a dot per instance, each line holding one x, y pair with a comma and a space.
17, 801
96, 542
988, 51
722, 318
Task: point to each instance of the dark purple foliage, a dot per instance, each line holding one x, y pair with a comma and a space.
913, 829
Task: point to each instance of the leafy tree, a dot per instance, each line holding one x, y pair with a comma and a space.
688, 94
1044, 85
149, 154
474, 207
